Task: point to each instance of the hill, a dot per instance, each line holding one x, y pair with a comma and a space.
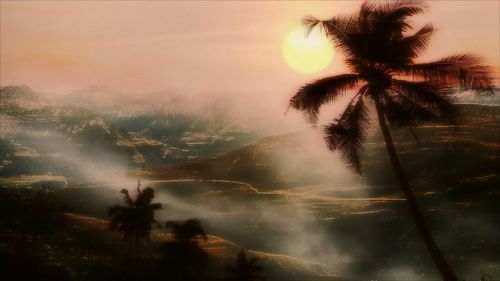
43, 241
442, 156
41, 137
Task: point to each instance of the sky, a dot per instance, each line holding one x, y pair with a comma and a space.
225, 47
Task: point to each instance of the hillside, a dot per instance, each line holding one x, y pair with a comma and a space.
222, 252
446, 156
44, 241
74, 141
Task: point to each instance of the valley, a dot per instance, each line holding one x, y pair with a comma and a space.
287, 195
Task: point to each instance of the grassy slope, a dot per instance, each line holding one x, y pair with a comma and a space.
89, 251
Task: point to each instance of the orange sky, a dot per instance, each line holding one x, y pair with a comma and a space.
232, 47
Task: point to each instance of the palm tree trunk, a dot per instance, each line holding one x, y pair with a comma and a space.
445, 270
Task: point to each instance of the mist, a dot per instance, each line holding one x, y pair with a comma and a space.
271, 175
192, 99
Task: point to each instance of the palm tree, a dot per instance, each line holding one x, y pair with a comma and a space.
245, 269
184, 258
380, 54
136, 219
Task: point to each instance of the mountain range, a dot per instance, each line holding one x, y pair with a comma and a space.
60, 136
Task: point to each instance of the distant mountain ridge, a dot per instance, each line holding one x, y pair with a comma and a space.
97, 98
62, 136
22, 96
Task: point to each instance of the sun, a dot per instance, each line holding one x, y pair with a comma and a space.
307, 54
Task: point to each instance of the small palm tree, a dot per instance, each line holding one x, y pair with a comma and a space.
245, 269
187, 231
380, 53
184, 258
136, 219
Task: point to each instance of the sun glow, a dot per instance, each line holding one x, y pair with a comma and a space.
307, 54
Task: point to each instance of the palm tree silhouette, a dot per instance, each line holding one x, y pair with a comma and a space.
135, 219
184, 258
380, 56
245, 269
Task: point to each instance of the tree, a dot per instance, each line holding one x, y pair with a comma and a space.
380, 53
136, 219
183, 257
245, 269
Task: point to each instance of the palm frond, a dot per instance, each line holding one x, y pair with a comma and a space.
144, 197
365, 16
126, 197
390, 17
347, 133
154, 206
402, 112
187, 230
193, 228
310, 22
310, 97
339, 29
432, 95
379, 34
402, 9
465, 71
418, 42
